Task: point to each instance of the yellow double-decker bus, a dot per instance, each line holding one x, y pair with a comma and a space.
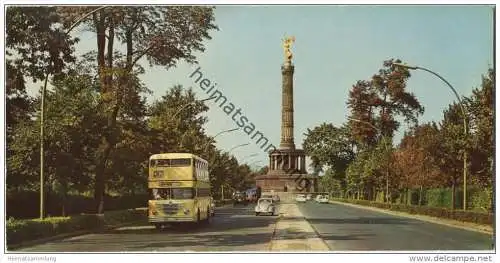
179, 186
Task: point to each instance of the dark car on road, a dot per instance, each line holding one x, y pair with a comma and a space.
239, 198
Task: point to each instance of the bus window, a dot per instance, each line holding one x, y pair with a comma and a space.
182, 193
181, 162
160, 193
172, 193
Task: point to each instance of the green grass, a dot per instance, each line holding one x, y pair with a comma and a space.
23, 230
470, 216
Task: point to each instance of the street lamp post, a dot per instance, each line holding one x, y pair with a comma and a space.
249, 156
219, 133
42, 112
462, 108
182, 107
387, 150
255, 162
238, 146
188, 104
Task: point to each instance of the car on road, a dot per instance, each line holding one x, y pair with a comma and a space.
309, 197
300, 198
251, 195
240, 198
265, 206
322, 199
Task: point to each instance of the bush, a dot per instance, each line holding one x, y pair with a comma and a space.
459, 215
31, 229
74, 205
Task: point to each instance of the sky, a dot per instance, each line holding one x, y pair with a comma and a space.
335, 46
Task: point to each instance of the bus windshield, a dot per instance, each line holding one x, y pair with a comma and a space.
172, 193
181, 162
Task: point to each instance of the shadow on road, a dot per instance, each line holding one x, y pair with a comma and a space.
144, 237
209, 240
223, 221
231, 229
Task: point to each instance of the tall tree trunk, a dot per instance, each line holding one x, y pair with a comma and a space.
407, 191
453, 195
64, 199
104, 147
420, 196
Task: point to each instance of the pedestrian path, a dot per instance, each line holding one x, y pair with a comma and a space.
293, 233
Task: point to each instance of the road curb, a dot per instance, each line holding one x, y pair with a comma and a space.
440, 221
318, 234
270, 246
306, 237
66, 235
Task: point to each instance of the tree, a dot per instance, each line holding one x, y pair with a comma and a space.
361, 102
330, 146
355, 173
480, 106
18, 104
162, 35
449, 152
416, 157
263, 170
374, 106
176, 123
35, 42
34, 47
71, 123
222, 168
379, 101
329, 182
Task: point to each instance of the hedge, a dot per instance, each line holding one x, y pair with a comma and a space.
478, 198
459, 215
27, 204
31, 229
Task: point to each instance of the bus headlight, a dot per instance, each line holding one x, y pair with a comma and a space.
186, 211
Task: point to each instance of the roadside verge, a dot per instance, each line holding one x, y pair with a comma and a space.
293, 233
485, 229
25, 233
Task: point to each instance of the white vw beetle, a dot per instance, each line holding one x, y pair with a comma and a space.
300, 198
322, 199
265, 206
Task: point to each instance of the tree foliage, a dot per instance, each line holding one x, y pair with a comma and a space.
429, 156
100, 130
379, 101
35, 42
163, 35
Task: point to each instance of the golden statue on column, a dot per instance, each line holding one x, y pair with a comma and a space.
287, 43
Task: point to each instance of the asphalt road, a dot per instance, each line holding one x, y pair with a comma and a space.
346, 228
232, 229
